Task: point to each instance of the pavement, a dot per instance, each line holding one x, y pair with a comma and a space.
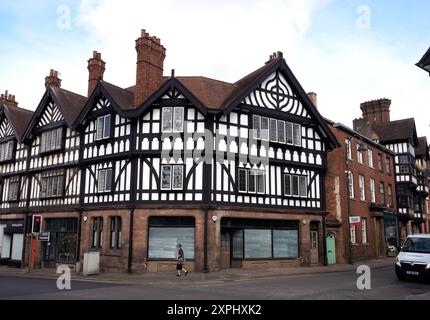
230, 275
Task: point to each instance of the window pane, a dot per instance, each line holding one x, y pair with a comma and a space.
258, 244
261, 183
295, 186
242, 180
265, 129
256, 126
285, 243
297, 135
59, 137
102, 180
281, 131
237, 243
252, 181
167, 119
273, 130
178, 177
287, 184
163, 241
107, 126
53, 140
179, 120
166, 177
108, 182
303, 186
100, 125
54, 186
289, 132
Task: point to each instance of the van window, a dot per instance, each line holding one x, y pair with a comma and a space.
417, 245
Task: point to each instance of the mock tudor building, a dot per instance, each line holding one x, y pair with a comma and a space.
360, 185
235, 172
400, 137
14, 182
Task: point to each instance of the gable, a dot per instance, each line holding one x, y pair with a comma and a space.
173, 94
50, 114
6, 129
276, 93
102, 103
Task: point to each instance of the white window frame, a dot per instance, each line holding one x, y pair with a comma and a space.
372, 190
303, 180
255, 130
289, 133
370, 158
252, 173
348, 149
265, 133
296, 138
281, 126
103, 188
259, 174
104, 135
360, 155
275, 122
364, 231
362, 185
239, 180
173, 176
353, 234
291, 185
175, 110
351, 191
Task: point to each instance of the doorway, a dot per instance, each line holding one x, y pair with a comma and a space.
331, 249
314, 247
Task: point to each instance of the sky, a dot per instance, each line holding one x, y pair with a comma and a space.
346, 51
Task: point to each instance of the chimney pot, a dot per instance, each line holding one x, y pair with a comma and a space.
8, 99
314, 98
376, 111
53, 80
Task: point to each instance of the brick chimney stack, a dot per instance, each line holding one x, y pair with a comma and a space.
8, 99
150, 66
53, 80
96, 70
376, 111
314, 98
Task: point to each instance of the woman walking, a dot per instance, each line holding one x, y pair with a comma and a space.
181, 261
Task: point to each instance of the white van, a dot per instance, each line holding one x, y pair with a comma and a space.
413, 260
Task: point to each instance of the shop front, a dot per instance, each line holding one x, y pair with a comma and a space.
11, 242
62, 247
251, 242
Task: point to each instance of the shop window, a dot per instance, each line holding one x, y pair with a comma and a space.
14, 188
237, 244
6, 151
166, 233
51, 140
115, 232
285, 244
258, 244
104, 183
52, 184
97, 242
104, 124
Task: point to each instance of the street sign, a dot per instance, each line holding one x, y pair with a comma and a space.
44, 236
355, 221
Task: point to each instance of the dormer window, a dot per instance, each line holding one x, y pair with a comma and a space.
103, 127
6, 151
51, 140
172, 119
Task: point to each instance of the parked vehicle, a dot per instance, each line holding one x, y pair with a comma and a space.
413, 260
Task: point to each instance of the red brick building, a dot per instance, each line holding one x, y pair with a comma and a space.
360, 185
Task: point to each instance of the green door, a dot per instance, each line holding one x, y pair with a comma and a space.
331, 249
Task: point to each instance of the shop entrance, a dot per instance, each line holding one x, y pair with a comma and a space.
63, 244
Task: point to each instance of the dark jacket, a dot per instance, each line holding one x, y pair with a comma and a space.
181, 256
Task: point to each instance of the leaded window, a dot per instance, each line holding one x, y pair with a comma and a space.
6, 151
105, 180
172, 177
51, 140
14, 188
52, 184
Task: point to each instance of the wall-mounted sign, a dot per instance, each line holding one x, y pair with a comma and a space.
44, 236
355, 221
